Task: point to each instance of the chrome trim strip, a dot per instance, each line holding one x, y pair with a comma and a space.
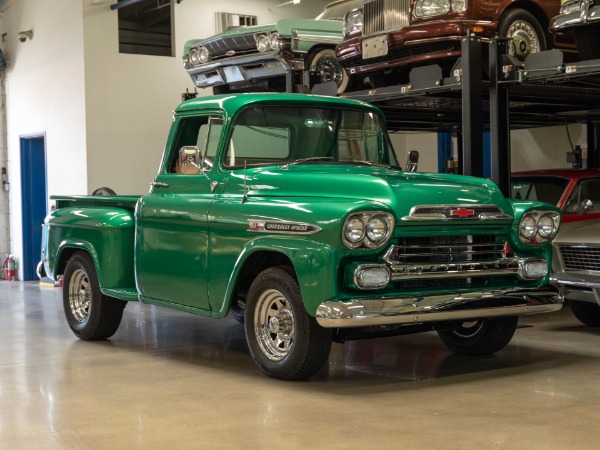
438, 307
442, 211
280, 227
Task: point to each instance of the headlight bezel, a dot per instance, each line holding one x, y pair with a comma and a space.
432, 8
353, 23
365, 237
538, 220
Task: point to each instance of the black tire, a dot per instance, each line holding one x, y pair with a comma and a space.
238, 310
482, 337
587, 313
586, 40
329, 68
103, 191
285, 342
526, 31
90, 314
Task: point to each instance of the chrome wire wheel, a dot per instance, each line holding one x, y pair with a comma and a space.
274, 324
80, 294
525, 39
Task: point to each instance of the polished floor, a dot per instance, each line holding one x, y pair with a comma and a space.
171, 380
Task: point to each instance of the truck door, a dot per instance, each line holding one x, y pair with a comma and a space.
172, 220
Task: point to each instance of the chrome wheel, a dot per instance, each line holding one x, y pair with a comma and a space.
80, 295
274, 325
525, 39
329, 69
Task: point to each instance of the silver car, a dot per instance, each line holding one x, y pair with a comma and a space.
576, 268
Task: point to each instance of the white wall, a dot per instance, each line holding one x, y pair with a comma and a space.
45, 95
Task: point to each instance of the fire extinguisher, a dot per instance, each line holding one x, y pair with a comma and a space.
9, 267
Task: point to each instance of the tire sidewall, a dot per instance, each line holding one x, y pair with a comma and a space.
279, 279
80, 261
316, 58
520, 14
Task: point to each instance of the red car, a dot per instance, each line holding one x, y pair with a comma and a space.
575, 191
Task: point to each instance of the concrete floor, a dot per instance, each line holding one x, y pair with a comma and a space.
173, 380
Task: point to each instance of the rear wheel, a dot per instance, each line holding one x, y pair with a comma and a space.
525, 31
481, 337
587, 313
586, 40
90, 314
283, 339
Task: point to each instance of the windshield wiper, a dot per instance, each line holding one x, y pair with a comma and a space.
303, 160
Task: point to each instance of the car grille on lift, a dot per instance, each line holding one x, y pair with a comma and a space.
384, 15
580, 257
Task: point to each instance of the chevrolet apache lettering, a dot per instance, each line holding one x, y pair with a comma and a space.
291, 212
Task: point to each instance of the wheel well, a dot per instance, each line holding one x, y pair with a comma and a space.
537, 12
65, 256
255, 264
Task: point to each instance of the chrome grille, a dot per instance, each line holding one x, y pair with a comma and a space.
447, 249
580, 257
238, 43
385, 15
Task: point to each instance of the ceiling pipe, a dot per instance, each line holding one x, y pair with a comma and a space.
124, 3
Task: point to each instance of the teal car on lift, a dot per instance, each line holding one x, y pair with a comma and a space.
293, 54
292, 213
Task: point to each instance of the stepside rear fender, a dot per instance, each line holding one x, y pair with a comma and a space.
106, 233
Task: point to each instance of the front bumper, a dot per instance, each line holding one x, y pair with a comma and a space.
584, 15
239, 69
437, 308
584, 287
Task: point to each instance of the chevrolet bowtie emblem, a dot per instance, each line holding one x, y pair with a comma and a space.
462, 212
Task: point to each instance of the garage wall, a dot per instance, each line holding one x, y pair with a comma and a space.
44, 95
129, 98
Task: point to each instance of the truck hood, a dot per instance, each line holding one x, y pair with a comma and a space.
399, 190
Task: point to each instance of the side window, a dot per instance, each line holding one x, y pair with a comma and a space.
586, 190
202, 132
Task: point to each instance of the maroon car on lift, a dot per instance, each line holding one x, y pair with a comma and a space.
575, 191
386, 36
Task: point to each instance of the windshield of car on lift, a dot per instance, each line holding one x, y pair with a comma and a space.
543, 189
286, 135
336, 11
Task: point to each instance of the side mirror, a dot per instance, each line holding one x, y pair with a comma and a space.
587, 205
190, 160
412, 161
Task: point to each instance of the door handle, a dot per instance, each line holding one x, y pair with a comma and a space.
158, 184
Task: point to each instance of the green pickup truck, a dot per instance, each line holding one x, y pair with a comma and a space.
291, 212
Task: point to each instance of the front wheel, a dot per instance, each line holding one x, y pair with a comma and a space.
285, 342
482, 337
586, 40
90, 314
328, 68
524, 30
587, 313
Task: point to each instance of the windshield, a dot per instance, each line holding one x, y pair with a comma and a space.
284, 135
337, 10
543, 189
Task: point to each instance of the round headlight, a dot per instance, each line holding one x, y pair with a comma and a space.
354, 231
262, 43
377, 229
546, 228
353, 23
527, 227
194, 57
274, 41
203, 54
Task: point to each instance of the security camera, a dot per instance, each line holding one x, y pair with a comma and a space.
23, 35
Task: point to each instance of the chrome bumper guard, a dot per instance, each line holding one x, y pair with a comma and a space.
437, 308
238, 69
575, 19
582, 287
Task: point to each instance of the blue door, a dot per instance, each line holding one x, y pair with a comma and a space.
33, 201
